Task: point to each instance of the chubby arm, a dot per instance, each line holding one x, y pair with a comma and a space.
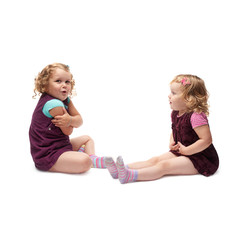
77, 120
205, 140
72, 119
172, 145
61, 112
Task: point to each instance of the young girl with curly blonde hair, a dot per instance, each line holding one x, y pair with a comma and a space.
191, 149
53, 121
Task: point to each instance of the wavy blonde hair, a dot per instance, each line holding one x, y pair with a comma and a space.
194, 93
42, 79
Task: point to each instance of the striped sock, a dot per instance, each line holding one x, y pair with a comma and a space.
112, 167
98, 162
125, 175
82, 149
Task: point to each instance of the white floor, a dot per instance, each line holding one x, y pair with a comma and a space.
123, 54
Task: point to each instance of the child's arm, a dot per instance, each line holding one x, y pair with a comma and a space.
59, 112
205, 140
77, 120
72, 119
172, 145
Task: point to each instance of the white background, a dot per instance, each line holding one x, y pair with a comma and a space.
122, 54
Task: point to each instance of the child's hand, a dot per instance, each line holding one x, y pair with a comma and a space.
173, 146
182, 149
62, 120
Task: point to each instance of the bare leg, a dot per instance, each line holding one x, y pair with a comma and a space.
72, 162
151, 162
97, 162
173, 166
83, 140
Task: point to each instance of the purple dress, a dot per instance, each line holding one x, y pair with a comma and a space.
206, 162
47, 141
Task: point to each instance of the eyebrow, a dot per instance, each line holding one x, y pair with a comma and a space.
60, 78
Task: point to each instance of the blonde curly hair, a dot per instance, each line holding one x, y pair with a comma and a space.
194, 93
42, 79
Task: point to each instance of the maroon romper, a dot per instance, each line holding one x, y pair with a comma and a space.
206, 162
47, 141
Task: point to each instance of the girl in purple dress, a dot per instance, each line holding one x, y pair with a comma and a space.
191, 149
53, 121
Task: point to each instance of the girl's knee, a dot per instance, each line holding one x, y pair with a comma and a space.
153, 161
86, 162
87, 138
164, 165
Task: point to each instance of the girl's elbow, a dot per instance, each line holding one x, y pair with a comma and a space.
209, 142
67, 131
70, 131
80, 123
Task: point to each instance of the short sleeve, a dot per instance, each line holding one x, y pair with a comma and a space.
50, 105
198, 119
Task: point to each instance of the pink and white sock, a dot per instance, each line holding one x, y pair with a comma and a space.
125, 175
82, 149
112, 167
98, 162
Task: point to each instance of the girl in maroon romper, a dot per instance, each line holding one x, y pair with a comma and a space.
191, 149
53, 121
206, 161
